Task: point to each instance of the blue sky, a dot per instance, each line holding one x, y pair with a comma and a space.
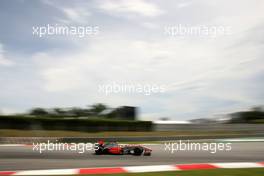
204, 76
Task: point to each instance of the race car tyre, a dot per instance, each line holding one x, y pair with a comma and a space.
137, 151
99, 151
147, 154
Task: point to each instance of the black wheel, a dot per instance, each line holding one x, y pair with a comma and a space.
138, 151
99, 151
147, 154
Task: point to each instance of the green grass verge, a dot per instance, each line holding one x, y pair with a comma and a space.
215, 172
55, 133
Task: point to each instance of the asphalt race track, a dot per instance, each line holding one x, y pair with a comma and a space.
24, 158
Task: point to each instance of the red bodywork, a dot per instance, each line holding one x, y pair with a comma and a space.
115, 150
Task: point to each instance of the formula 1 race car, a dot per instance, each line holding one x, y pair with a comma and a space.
121, 149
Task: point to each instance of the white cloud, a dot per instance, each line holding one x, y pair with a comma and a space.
75, 15
184, 4
139, 7
3, 60
60, 75
7, 111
